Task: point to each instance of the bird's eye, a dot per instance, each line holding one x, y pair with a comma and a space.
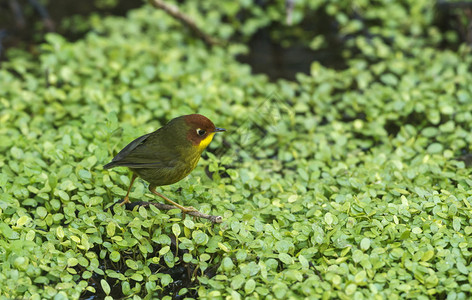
201, 132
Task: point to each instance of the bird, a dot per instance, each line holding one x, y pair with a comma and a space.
167, 155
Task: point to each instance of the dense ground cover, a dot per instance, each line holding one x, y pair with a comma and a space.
340, 184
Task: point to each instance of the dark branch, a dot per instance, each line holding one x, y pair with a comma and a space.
132, 205
186, 20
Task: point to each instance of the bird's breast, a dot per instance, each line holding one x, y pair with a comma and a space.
172, 174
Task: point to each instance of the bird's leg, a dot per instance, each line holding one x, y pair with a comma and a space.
184, 209
126, 200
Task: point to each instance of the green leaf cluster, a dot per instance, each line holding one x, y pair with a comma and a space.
341, 184
374, 30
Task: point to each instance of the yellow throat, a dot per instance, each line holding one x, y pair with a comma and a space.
205, 142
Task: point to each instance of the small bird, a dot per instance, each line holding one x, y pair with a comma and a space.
168, 154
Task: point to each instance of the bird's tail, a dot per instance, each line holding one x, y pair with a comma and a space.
109, 165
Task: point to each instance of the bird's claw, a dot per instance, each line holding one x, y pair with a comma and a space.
125, 200
188, 209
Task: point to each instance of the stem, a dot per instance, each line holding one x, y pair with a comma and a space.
186, 20
213, 219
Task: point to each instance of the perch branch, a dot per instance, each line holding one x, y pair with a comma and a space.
186, 20
213, 219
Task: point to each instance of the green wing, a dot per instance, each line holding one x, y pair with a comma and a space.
144, 153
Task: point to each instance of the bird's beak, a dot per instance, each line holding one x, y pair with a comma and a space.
219, 129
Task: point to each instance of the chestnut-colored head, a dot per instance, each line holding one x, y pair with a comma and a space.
201, 130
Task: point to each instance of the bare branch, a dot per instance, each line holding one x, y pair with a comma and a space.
186, 20
213, 219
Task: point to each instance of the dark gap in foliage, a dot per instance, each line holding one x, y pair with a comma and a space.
392, 127
347, 118
454, 16
466, 157
270, 57
281, 50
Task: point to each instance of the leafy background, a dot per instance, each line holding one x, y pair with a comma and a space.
341, 183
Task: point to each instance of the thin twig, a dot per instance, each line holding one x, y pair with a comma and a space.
316, 270
186, 20
161, 206
289, 4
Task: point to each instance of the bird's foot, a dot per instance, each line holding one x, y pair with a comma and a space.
126, 200
187, 209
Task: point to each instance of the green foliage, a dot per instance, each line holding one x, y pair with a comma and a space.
373, 29
339, 185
